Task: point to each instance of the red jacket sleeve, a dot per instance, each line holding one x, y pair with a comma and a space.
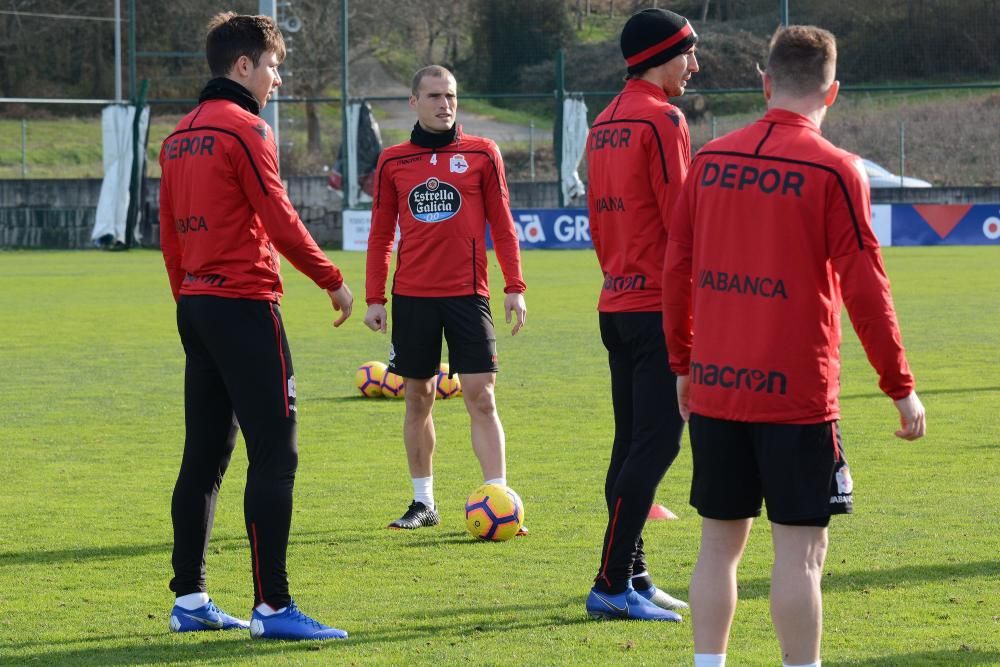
677, 280
865, 287
385, 213
267, 195
169, 244
496, 202
595, 224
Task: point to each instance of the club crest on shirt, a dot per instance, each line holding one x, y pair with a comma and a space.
434, 200
458, 165
261, 129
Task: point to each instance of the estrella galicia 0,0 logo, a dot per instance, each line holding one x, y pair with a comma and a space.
434, 201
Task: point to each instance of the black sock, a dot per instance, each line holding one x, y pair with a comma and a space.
642, 582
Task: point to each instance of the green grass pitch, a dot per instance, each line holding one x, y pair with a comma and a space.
91, 429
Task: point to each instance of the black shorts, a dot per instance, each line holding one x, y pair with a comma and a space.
798, 470
417, 325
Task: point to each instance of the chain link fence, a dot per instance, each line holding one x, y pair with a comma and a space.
921, 79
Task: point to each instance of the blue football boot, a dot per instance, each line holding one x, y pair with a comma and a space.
208, 617
628, 605
662, 600
291, 624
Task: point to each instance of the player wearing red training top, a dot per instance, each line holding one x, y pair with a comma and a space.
441, 188
771, 234
224, 217
638, 154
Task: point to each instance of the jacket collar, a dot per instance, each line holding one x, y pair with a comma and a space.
222, 88
425, 139
642, 86
786, 117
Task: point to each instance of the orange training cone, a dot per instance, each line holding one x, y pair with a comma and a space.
659, 513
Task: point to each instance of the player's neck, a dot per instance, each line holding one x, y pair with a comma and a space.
811, 109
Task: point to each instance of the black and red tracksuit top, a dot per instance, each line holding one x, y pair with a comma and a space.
224, 212
442, 199
638, 154
771, 234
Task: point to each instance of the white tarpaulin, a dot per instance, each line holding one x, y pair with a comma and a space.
112, 206
574, 142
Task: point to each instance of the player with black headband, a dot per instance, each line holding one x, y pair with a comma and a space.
638, 154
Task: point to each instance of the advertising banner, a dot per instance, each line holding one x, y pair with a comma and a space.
894, 224
945, 224
567, 228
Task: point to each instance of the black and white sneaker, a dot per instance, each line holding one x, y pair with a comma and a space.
417, 516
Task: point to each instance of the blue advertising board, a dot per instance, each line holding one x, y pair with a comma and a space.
566, 228
894, 224
945, 224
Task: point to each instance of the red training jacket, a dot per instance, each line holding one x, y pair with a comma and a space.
224, 210
771, 233
638, 154
442, 199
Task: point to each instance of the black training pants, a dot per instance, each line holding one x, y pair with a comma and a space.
648, 429
238, 376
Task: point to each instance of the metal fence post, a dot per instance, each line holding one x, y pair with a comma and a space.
560, 96
344, 171
24, 148
531, 149
902, 151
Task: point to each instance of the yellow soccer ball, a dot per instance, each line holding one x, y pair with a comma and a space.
494, 512
368, 378
393, 386
447, 387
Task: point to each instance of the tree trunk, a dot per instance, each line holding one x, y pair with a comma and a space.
704, 10
314, 131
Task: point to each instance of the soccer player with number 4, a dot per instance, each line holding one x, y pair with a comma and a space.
442, 187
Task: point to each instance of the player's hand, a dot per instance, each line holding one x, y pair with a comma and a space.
912, 419
342, 300
514, 302
375, 318
683, 394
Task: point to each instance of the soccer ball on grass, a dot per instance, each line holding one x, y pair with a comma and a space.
494, 512
368, 378
393, 386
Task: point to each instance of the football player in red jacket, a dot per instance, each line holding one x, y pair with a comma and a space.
224, 217
441, 188
771, 234
638, 154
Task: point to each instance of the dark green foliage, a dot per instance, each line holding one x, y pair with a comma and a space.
514, 34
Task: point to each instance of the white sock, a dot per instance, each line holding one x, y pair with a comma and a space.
709, 660
423, 490
502, 481
192, 601
264, 609
818, 663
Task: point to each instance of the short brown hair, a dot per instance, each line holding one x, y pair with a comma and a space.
231, 35
431, 70
802, 59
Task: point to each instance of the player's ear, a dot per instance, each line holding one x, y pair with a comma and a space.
413, 102
831, 93
242, 66
768, 85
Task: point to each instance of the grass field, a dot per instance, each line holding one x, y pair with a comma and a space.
91, 428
